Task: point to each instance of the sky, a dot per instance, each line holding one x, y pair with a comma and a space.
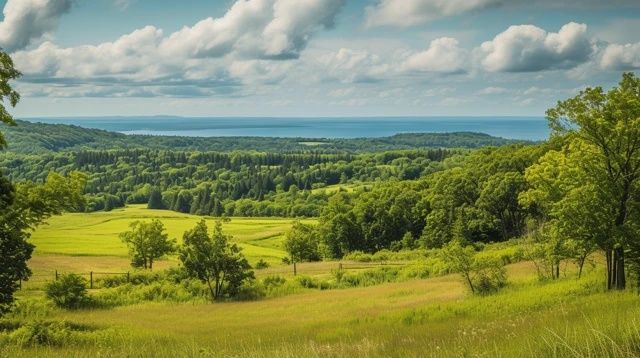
314, 58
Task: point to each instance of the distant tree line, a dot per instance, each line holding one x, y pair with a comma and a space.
215, 183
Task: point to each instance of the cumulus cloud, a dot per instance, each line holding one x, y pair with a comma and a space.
621, 57
28, 20
443, 55
275, 29
244, 45
527, 48
414, 12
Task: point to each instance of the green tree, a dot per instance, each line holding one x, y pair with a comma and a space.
214, 260
607, 127
147, 242
301, 243
7, 93
155, 199
22, 208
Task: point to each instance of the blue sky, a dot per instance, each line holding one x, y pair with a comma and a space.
314, 57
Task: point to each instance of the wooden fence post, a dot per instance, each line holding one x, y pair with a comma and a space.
56, 275
91, 279
128, 277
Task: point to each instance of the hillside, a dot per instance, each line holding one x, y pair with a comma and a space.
35, 138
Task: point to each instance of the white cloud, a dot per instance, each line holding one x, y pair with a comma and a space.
443, 55
527, 48
621, 57
414, 12
28, 20
276, 29
240, 47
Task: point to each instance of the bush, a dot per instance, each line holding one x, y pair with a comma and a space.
490, 276
40, 333
261, 264
273, 281
70, 292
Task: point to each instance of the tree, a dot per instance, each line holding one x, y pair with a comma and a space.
607, 127
483, 275
155, 199
214, 261
7, 93
147, 242
22, 208
301, 243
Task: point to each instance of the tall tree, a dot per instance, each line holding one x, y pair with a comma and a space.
24, 206
607, 125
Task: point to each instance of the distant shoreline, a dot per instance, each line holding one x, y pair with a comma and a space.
516, 127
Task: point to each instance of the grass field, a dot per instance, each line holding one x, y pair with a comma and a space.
432, 317
429, 317
89, 242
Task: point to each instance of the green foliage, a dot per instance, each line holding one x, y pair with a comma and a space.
261, 264
482, 275
22, 208
301, 243
588, 191
69, 291
7, 93
214, 261
147, 242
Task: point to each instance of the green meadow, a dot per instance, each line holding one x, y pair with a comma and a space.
417, 317
90, 241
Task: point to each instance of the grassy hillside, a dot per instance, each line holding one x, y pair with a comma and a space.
84, 241
417, 317
29, 137
434, 317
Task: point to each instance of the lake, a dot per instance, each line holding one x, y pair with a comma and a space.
529, 128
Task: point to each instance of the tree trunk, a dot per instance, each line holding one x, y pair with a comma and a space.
295, 271
609, 255
213, 295
470, 282
621, 280
151, 264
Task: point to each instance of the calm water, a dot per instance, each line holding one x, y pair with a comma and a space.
531, 128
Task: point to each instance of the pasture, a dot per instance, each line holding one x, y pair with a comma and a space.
418, 317
83, 242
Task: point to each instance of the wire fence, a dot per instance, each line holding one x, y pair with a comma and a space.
94, 278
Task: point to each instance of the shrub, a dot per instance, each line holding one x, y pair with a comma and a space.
70, 292
490, 276
273, 281
261, 264
40, 333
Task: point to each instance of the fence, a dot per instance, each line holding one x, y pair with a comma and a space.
327, 267
39, 280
